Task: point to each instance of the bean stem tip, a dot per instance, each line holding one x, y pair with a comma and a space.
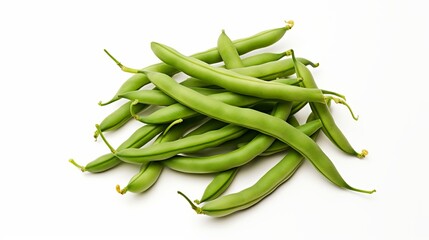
289, 24
123, 68
194, 207
362, 154
82, 168
104, 139
118, 189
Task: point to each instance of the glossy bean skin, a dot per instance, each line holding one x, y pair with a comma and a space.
209, 125
233, 81
177, 110
256, 120
236, 158
221, 182
261, 58
272, 70
321, 110
244, 45
119, 117
228, 52
139, 138
144, 179
157, 97
150, 172
218, 185
184, 145
267, 184
308, 128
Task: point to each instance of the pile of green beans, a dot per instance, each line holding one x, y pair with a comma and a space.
221, 118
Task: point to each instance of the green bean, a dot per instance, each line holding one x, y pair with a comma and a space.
222, 181
254, 120
266, 71
278, 146
119, 117
150, 172
177, 110
157, 97
261, 58
209, 125
218, 185
245, 45
174, 111
107, 161
233, 81
272, 70
228, 52
267, 184
330, 128
184, 145
236, 158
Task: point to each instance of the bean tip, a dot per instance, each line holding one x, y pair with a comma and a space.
118, 189
362, 154
289, 24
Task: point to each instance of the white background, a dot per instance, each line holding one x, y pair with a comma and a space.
53, 73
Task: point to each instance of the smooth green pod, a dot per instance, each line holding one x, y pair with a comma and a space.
119, 117
177, 110
233, 81
150, 172
218, 185
321, 110
189, 144
221, 162
244, 45
228, 52
107, 161
256, 120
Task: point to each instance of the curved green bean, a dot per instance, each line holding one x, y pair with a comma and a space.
236, 158
267, 184
150, 172
177, 110
119, 117
233, 81
218, 185
244, 45
185, 145
107, 161
254, 120
330, 128
228, 52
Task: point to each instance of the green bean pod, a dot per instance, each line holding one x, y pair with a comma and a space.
233, 81
279, 146
175, 111
185, 145
218, 185
223, 179
119, 117
228, 52
330, 128
256, 120
244, 45
209, 125
150, 172
157, 97
267, 184
261, 58
107, 161
273, 70
144, 179
232, 159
